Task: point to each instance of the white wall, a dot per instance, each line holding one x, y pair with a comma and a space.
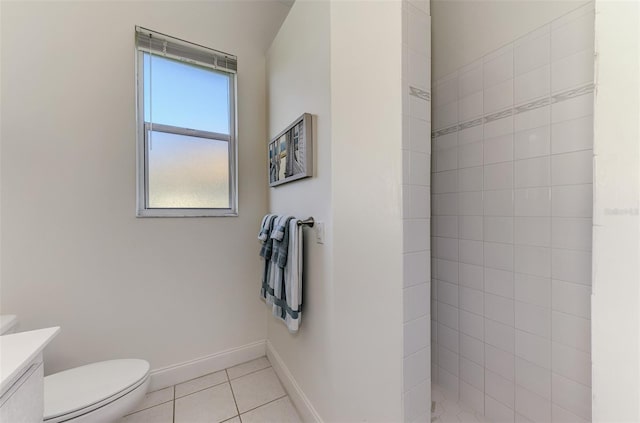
616, 232
467, 29
322, 63
73, 252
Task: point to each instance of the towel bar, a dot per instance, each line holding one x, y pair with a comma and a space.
308, 222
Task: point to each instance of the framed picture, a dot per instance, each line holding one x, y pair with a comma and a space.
291, 153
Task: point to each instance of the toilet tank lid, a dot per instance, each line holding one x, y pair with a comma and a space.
7, 322
82, 387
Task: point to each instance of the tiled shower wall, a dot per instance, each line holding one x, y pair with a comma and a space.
416, 156
511, 232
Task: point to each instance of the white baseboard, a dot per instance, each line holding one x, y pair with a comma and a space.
299, 399
178, 373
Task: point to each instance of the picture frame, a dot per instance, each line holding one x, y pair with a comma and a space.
290, 153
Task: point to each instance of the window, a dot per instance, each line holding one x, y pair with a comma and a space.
186, 128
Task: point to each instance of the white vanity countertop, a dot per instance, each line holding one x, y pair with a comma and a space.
18, 350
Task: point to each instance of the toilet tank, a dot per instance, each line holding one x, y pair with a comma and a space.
8, 324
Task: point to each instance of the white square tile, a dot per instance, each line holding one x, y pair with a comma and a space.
447, 271
214, 404
448, 382
416, 336
571, 363
533, 172
471, 106
416, 268
471, 324
497, 412
572, 168
572, 135
279, 411
498, 69
499, 388
560, 415
498, 308
419, 31
572, 298
422, 5
469, 135
420, 206
416, 401
470, 155
532, 119
498, 229
162, 413
499, 362
532, 406
571, 266
444, 142
256, 389
499, 335
572, 201
406, 166
470, 252
419, 168
446, 159
470, 203
472, 350
533, 231
499, 149
444, 182
498, 203
533, 348
471, 300
420, 108
448, 293
532, 142
419, 70
572, 108
498, 97
445, 90
419, 134
498, 282
498, 256
498, 176
571, 331
573, 37
499, 127
470, 179
533, 319
532, 52
572, 15
445, 116
248, 367
471, 276
572, 71
534, 261
448, 338
533, 378
448, 360
155, 398
416, 301
470, 79
448, 316
571, 233
473, 398
533, 290
470, 227
572, 396
201, 383
416, 235
532, 202
416, 368
532, 85
447, 248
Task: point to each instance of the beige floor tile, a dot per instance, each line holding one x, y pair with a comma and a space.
256, 389
162, 413
154, 398
279, 411
200, 383
233, 420
248, 367
211, 405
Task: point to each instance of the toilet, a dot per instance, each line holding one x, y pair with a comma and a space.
100, 392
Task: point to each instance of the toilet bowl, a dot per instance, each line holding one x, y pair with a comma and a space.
100, 392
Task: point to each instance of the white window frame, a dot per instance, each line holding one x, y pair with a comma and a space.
143, 127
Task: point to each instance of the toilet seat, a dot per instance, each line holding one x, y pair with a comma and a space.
75, 392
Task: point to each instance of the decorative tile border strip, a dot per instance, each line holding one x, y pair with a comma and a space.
522, 108
417, 92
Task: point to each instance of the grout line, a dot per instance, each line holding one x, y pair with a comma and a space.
147, 408
250, 373
262, 405
233, 395
203, 389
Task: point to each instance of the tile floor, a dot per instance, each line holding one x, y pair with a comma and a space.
247, 393
447, 409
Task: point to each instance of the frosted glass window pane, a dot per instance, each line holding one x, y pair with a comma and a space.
184, 95
187, 172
